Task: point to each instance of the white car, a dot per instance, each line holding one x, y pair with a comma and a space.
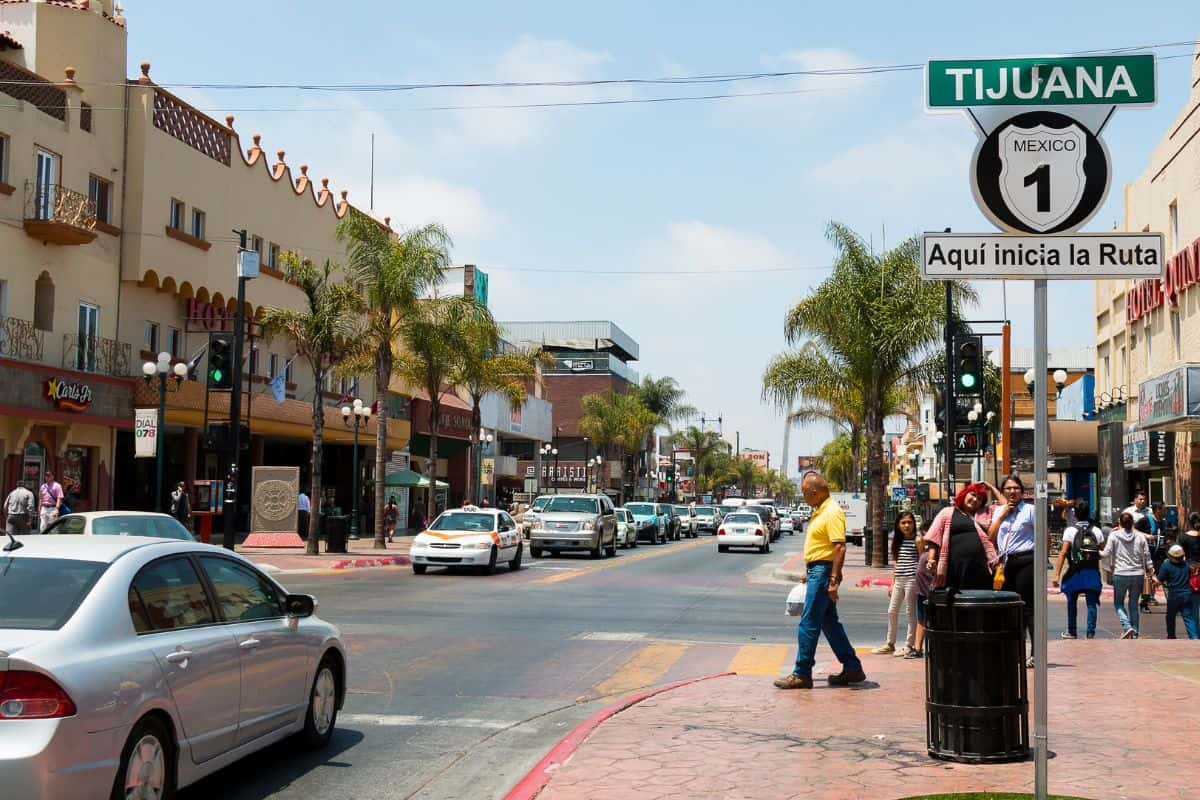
530, 517
120, 523
786, 524
744, 529
627, 535
469, 537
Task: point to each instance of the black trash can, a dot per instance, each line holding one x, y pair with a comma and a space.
976, 698
336, 530
868, 541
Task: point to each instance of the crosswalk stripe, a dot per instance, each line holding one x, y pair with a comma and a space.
645, 668
760, 659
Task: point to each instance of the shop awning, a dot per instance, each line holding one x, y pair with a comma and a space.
406, 478
448, 446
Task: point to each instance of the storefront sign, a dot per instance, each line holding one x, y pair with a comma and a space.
145, 432
207, 315
452, 421
1149, 450
1183, 272
487, 471
570, 473
68, 395
1172, 397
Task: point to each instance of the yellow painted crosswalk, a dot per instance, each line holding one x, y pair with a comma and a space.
762, 659
645, 668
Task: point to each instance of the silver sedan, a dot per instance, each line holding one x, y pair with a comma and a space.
131, 667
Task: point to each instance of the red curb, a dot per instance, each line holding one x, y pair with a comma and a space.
540, 775
386, 561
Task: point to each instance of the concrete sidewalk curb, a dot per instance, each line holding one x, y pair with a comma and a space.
340, 564
540, 775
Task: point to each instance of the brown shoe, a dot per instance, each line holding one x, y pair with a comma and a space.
845, 678
794, 681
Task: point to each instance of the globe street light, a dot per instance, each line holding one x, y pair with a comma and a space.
554, 452
161, 368
1060, 380
545, 451
356, 416
597, 461
484, 437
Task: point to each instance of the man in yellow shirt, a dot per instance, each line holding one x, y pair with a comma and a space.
824, 552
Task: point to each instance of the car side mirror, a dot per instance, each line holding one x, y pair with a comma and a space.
300, 606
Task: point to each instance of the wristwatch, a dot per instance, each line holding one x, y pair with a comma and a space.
835, 580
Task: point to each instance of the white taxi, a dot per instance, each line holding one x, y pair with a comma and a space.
744, 529
469, 537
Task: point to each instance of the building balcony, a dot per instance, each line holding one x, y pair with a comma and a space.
96, 354
57, 215
19, 339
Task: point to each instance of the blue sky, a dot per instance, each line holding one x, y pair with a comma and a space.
547, 200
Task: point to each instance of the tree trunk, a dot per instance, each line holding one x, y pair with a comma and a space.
476, 427
383, 377
875, 480
435, 410
313, 545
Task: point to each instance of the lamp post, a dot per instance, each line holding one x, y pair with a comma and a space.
355, 415
545, 451
597, 461
554, 452
161, 368
484, 438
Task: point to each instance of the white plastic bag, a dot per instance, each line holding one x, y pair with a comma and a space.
795, 600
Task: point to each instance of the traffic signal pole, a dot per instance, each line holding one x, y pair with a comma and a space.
951, 403
235, 409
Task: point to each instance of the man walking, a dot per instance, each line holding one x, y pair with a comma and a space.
19, 508
50, 500
824, 552
181, 505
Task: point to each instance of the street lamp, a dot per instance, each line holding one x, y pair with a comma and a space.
484, 438
597, 461
1030, 374
545, 451
1060, 380
161, 368
356, 415
554, 452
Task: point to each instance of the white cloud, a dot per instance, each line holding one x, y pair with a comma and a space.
417, 199
530, 59
807, 93
919, 155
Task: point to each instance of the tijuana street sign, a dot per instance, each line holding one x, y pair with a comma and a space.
1077, 256
1127, 79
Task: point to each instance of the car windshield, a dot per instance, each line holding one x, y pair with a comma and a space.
622, 515
681, 509
705, 511
463, 521
41, 594
539, 504
584, 505
740, 517
645, 509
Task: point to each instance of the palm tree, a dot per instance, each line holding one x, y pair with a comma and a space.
434, 339
393, 271
874, 322
615, 420
484, 366
701, 445
663, 398
746, 474
324, 333
836, 462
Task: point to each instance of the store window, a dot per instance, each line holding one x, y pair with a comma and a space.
33, 465
1162, 490
74, 476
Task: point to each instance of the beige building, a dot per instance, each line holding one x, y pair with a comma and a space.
1146, 329
118, 201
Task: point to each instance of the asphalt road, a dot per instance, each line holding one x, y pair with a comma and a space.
460, 683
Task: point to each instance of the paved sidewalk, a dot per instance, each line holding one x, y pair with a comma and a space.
855, 575
361, 553
739, 737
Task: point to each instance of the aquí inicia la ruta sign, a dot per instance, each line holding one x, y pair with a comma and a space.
1040, 170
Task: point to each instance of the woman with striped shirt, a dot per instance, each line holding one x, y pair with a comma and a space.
902, 592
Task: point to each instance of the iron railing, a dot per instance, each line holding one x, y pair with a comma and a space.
88, 353
52, 202
19, 339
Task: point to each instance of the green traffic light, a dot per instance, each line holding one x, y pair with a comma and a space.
216, 375
967, 381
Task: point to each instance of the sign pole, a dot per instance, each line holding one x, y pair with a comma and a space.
1041, 446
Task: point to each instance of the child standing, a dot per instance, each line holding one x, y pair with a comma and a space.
901, 593
1174, 576
927, 555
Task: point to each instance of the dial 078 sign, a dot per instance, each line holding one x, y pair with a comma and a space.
145, 432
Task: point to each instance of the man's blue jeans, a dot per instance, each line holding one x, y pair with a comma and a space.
820, 616
1093, 606
1127, 589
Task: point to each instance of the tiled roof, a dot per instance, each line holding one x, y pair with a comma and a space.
8, 42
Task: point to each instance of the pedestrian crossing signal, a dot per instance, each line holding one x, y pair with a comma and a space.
220, 362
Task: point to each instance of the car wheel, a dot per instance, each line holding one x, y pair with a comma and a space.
515, 564
490, 569
612, 547
766, 547
419, 569
634, 544
321, 717
147, 763
597, 550
722, 548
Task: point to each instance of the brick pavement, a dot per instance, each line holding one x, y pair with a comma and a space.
362, 553
1121, 713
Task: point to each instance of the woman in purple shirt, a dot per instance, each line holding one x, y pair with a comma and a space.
1013, 532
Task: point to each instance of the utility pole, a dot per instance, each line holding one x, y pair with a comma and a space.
235, 402
951, 403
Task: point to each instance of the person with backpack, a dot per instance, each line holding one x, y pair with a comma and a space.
1127, 555
1081, 546
1174, 576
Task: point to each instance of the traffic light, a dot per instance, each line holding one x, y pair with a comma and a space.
864, 479
968, 364
220, 361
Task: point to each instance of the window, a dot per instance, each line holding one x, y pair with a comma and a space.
41, 594
1173, 245
288, 372
256, 244
254, 361
46, 184
174, 342
151, 341
198, 223
1107, 371
169, 596
242, 594
273, 256
100, 193
88, 337
273, 364
141, 525
4, 147
177, 214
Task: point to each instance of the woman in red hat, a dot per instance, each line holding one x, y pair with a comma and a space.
965, 554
